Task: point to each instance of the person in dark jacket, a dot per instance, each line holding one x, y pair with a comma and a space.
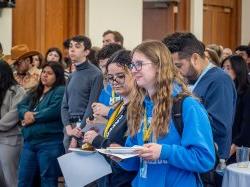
207, 82
236, 67
42, 128
121, 80
211, 85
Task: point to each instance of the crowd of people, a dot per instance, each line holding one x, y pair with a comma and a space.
46, 101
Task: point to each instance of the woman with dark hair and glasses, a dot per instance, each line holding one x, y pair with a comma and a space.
42, 128
236, 67
10, 137
121, 80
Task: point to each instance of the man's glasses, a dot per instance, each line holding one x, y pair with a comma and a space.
119, 78
138, 65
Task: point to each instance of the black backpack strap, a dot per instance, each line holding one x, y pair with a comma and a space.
177, 113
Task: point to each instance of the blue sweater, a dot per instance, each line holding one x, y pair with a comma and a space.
180, 157
48, 125
106, 98
106, 95
217, 92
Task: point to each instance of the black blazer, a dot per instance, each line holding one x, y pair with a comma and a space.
241, 126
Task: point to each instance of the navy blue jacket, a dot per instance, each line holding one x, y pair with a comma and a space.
217, 92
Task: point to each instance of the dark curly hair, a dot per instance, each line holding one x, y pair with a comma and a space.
108, 50
185, 44
57, 50
6, 79
121, 57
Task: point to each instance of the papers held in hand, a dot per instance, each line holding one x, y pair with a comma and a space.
79, 150
120, 152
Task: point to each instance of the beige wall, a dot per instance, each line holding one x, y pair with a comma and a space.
245, 23
6, 29
196, 18
124, 16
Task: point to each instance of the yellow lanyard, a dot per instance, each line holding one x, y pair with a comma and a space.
147, 130
112, 119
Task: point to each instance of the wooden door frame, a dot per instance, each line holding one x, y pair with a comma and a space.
73, 21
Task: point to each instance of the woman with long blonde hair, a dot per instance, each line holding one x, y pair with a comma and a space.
166, 157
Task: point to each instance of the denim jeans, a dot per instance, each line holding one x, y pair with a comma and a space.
42, 158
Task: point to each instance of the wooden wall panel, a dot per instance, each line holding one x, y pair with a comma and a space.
76, 17
160, 19
223, 3
221, 23
24, 23
183, 16
81, 16
47, 23
157, 21
56, 27
236, 20
217, 25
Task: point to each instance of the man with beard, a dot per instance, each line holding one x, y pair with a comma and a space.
208, 82
21, 58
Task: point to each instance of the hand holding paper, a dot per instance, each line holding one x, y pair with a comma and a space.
150, 151
121, 152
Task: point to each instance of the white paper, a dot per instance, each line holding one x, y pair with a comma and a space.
122, 150
81, 150
80, 169
121, 156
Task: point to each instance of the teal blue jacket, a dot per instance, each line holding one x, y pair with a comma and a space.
48, 125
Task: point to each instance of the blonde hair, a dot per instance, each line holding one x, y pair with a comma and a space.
167, 74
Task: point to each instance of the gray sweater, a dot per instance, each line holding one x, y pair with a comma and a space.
9, 131
82, 90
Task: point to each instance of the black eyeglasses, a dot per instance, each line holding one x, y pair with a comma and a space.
138, 65
119, 78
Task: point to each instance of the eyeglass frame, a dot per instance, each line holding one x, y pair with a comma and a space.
138, 65
115, 78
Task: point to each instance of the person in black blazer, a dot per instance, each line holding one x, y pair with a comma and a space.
236, 67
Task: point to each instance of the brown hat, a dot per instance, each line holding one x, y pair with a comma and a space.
21, 51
